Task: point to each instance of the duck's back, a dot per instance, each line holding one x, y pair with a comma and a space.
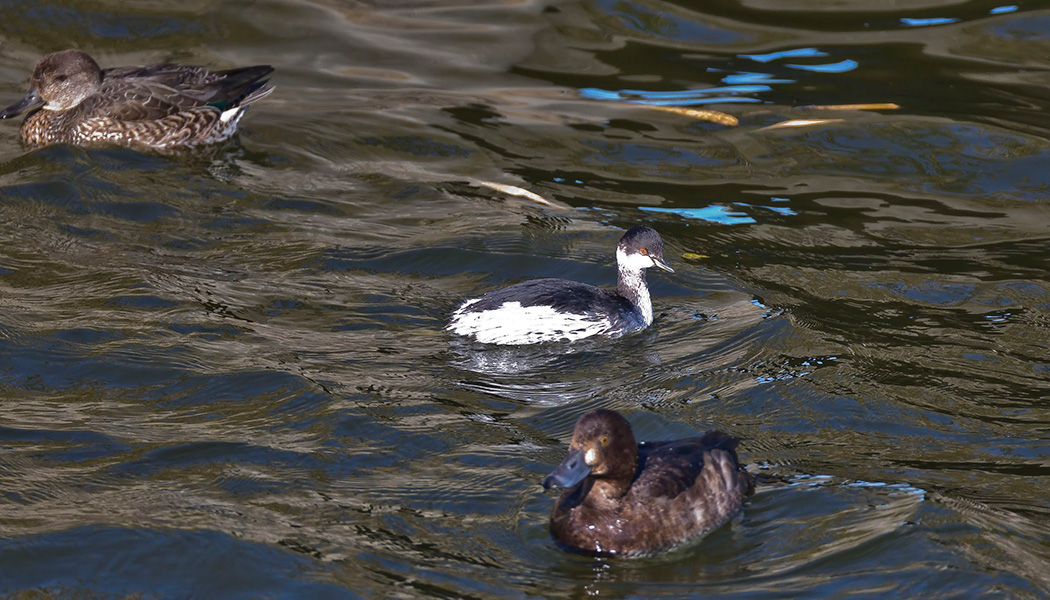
157, 91
701, 476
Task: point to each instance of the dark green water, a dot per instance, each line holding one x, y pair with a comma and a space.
225, 375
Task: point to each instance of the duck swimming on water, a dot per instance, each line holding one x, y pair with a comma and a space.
158, 106
549, 310
629, 499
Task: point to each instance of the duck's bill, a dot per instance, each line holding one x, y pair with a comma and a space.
28, 102
569, 473
658, 262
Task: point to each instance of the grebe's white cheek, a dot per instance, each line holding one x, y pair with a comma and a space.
634, 262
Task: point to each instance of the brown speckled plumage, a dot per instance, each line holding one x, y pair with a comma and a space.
627, 499
156, 106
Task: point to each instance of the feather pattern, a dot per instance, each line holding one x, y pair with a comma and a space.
159, 106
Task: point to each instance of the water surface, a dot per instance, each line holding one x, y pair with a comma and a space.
225, 374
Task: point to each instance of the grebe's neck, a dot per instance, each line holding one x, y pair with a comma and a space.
630, 282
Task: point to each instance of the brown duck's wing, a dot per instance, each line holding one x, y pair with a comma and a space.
668, 468
169, 73
140, 100
157, 91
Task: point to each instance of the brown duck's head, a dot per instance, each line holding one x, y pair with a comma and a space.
603, 447
60, 81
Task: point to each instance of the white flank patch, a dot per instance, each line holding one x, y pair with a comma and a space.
231, 114
514, 324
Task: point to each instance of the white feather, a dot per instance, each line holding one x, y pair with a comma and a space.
633, 275
232, 113
515, 324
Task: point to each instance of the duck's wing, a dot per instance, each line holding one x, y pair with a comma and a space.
668, 468
157, 91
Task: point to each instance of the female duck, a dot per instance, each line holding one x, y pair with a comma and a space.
158, 106
630, 499
548, 310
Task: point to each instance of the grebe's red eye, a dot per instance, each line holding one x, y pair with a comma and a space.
644, 251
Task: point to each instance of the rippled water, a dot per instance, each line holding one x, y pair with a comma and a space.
225, 375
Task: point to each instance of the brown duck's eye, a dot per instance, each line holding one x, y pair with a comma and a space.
605, 440
60, 78
644, 251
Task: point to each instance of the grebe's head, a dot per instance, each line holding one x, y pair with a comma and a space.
640, 248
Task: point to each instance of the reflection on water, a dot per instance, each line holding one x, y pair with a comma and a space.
226, 375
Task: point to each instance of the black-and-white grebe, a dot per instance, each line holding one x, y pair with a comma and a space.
549, 310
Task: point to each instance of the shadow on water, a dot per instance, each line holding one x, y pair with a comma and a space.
225, 374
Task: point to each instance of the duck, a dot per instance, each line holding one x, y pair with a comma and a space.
627, 499
161, 106
551, 310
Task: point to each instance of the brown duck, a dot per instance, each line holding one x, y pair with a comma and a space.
630, 499
159, 106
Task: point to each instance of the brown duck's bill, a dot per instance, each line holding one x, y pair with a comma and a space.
569, 473
30, 101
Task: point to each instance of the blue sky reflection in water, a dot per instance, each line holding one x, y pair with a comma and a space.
225, 375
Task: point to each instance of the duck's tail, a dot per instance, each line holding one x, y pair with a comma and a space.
241, 87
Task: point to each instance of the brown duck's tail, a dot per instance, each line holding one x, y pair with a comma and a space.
241, 87
258, 92
718, 440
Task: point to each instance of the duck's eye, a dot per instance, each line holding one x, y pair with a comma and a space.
605, 440
61, 78
643, 251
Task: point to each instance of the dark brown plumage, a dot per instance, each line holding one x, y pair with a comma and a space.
627, 499
157, 106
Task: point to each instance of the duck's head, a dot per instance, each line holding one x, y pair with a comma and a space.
640, 248
603, 447
60, 81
